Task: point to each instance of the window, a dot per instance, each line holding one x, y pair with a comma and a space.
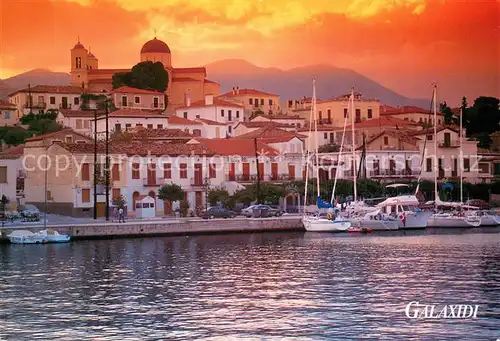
270, 102
118, 127
85, 172
386, 140
345, 112
156, 102
116, 194
76, 100
128, 126
358, 115
250, 101
150, 126
325, 136
49, 195
69, 139
262, 101
78, 62
115, 172
167, 171
320, 115
52, 100
85, 195
447, 139
329, 113
212, 173
230, 129
429, 137
7, 115
183, 173
137, 100
3, 174
229, 115
237, 114
138, 125
256, 102
291, 172
467, 165
160, 126
428, 165
370, 113
78, 124
484, 168
185, 114
222, 113
86, 124
197, 116
136, 170
124, 101
196, 132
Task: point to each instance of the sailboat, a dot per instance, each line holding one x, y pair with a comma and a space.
362, 216
449, 219
316, 223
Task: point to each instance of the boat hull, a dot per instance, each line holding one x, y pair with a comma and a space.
417, 220
376, 225
27, 240
325, 225
437, 221
490, 220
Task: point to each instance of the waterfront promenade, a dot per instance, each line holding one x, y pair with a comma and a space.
89, 228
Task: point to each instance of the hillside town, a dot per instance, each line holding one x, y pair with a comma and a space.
193, 135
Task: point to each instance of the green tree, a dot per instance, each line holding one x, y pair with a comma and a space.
218, 195
184, 208
144, 75
482, 119
14, 135
171, 192
329, 148
449, 118
44, 126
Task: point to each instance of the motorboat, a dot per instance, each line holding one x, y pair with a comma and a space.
42, 237
405, 208
320, 224
488, 218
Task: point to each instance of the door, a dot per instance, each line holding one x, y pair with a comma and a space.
152, 174
65, 102
199, 199
455, 167
155, 102
261, 171
167, 207
447, 139
358, 115
198, 174
274, 171
376, 167
392, 167
232, 172
291, 172
101, 209
229, 115
246, 171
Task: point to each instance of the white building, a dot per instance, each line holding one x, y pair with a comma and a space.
78, 120
126, 97
12, 175
125, 119
294, 121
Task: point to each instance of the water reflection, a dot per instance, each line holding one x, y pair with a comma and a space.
255, 286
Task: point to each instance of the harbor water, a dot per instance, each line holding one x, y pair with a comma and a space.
261, 286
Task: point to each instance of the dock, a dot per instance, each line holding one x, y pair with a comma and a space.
166, 227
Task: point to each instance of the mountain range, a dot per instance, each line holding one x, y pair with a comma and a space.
295, 83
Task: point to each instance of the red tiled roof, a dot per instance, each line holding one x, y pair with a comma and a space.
245, 92
12, 153
174, 119
130, 90
216, 102
407, 109
281, 117
76, 113
321, 127
101, 81
384, 122
107, 71
211, 123
282, 139
184, 79
190, 70
242, 147
135, 113
401, 135
55, 134
438, 129
52, 89
141, 132
6, 105
254, 124
209, 81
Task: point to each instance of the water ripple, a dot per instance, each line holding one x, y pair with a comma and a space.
249, 287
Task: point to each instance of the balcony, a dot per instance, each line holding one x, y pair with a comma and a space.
245, 178
199, 182
150, 181
157, 106
40, 105
393, 173
449, 144
64, 106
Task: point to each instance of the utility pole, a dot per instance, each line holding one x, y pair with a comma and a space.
258, 171
107, 161
95, 164
30, 99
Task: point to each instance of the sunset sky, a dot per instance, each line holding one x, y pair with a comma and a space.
405, 45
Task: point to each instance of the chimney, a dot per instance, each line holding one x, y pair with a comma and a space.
188, 101
209, 99
234, 91
237, 90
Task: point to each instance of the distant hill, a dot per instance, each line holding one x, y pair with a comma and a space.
33, 77
296, 83
289, 84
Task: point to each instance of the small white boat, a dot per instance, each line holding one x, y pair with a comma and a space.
488, 218
42, 237
319, 224
376, 221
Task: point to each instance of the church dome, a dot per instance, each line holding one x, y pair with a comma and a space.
78, 46
155, 46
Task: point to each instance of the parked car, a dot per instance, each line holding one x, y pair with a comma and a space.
29, 212
218, 212
272, 212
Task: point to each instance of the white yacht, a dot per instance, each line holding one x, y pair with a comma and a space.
405, 208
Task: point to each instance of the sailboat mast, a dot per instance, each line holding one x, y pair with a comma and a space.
351, 112
434, 100
461, 158
316, 137
308, 157
339, 159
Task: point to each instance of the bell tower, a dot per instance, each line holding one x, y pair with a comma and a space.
79, 56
